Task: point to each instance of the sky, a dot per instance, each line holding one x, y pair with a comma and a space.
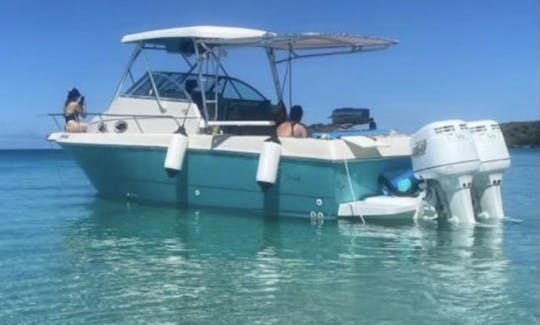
459, 59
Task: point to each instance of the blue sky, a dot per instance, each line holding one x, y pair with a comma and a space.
456, 59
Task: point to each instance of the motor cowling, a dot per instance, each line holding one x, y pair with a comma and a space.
445, 153
494, 160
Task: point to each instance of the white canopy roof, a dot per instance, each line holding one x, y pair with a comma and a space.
193, 32
181, 39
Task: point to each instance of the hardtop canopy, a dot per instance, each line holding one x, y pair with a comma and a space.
202, 48
181, 39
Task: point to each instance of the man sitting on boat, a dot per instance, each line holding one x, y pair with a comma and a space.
73, 108
293, 127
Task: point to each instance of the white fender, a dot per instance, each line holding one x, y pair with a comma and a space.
176, 152
269, 157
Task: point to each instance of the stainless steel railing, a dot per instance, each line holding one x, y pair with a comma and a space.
108, 117
179, 120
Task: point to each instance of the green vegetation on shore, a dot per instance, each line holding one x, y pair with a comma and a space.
521, 134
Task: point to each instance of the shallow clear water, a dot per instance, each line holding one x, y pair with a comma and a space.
69, 257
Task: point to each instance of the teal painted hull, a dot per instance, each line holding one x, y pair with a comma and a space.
227, 180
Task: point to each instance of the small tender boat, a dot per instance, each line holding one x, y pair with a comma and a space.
202, 138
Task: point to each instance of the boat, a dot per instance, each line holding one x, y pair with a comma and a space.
202, 138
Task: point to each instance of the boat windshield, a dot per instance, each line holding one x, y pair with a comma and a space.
181, 86
235, 101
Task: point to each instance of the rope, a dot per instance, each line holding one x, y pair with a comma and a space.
285, 77
353, 194
290, 76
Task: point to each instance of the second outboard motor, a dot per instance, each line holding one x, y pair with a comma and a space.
494, 159
444, 154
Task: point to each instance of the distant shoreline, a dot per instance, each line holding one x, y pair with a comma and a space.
521, 134
516, 134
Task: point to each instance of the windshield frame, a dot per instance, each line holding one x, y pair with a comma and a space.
180, 78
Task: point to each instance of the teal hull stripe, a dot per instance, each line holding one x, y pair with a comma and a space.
227, 179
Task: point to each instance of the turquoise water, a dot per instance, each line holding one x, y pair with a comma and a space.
69, 257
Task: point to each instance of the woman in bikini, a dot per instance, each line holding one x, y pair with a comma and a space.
73, 108
293, 127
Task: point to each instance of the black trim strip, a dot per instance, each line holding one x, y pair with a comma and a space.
492, 160
466, 161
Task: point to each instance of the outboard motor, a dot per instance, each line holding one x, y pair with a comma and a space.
494, 158
444, 154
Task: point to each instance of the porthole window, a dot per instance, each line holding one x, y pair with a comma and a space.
120, 126
102, 127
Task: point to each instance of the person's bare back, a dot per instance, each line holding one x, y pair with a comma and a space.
293, 127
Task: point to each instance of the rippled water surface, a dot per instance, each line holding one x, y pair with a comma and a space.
69, 257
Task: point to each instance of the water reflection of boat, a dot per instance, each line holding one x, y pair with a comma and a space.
197, 258
463, 273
